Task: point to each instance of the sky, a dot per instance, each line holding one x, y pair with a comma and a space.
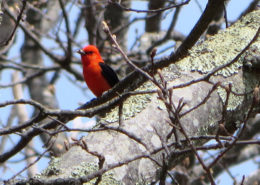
70, 96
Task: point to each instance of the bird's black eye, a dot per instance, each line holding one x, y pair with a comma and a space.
89, 52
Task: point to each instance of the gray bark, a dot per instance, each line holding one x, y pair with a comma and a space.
39, 88
146, 118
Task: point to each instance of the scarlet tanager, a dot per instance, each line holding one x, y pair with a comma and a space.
98, 75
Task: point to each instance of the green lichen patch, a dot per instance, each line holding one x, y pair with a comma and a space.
132, 105
83, 169
53, 168
222, 48
88, 168
136, 103
233, 101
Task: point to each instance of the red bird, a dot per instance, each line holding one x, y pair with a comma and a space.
98, 75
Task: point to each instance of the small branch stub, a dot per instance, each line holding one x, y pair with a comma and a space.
105, 27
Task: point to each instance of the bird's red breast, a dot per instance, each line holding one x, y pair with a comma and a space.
98, 76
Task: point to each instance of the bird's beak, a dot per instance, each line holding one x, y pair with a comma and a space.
81, 52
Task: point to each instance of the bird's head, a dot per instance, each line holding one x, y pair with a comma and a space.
90, 54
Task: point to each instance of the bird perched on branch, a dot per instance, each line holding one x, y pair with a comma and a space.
98, 75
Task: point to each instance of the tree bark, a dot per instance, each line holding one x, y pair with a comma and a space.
139, 155
39, 88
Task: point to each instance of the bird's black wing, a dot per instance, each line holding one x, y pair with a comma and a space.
109, 74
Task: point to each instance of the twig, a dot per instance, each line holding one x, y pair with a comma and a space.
169, 30
69, 40
128, 134
19, 18
28, 166
207, 76
203, 101
26, 78
34, 38
113, 38
89, 177
243, 180
225, 15
100, 157
148, 11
